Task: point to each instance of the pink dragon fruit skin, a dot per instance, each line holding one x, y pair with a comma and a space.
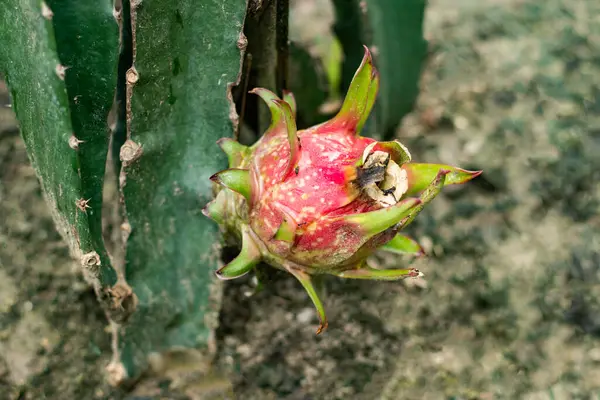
321, 200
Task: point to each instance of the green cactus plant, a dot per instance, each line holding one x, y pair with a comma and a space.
63, 79
177, 110
394, 32
62, 74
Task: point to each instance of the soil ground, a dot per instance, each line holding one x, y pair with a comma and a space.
509, 307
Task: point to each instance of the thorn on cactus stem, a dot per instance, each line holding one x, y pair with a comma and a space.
132, 76
61, 71
83, 204
74, 142
46, 11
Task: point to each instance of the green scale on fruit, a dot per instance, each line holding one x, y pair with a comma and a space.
323, 199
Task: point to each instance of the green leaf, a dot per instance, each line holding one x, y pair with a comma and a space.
248, 258
186, 56
430, 193
402, 244
235, 179
60, 62
375, 222
361, 95
394, 32
421, 175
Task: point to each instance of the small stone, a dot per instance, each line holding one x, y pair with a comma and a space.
461, 122
305, 316
156, 362
595, 354
116, 373
8, 292
244, 350
426, 244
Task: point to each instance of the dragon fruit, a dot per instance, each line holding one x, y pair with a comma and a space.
323, 199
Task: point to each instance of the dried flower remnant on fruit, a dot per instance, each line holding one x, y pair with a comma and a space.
323, 199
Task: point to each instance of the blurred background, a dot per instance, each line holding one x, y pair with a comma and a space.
510, 304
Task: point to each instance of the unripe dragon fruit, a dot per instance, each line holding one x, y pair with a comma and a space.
321, 200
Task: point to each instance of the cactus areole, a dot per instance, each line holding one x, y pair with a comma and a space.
321, 200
